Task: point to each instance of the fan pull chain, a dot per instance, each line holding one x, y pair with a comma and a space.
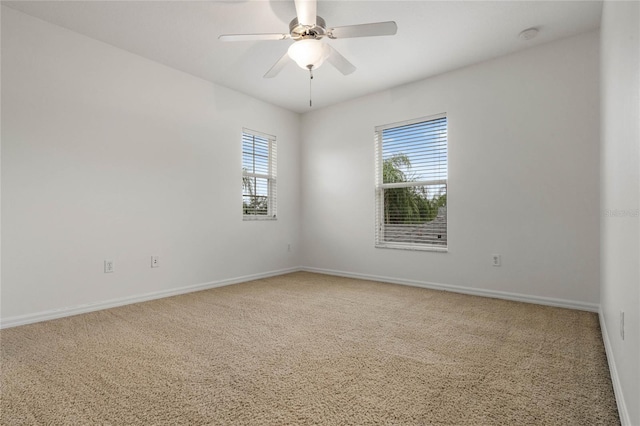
310, 79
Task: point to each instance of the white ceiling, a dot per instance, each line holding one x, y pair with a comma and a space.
433, 37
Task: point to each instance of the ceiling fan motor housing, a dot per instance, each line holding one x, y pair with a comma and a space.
299, 31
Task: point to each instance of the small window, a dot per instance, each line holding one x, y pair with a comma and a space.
258, 175
411, 184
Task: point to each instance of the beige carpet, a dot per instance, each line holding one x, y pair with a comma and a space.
310, 349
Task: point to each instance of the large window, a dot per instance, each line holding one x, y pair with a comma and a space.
258, 175
411, 184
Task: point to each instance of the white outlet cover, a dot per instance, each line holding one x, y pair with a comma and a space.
108, 266
496, 259
155, 261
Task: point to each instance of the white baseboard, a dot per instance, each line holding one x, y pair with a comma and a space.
90, 307
613, 370
560, 303
80, 309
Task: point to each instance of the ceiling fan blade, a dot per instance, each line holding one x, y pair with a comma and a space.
339, 61
277, 67
364, 30
253, 37
306, 11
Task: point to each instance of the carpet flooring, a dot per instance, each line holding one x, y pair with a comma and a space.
307, 349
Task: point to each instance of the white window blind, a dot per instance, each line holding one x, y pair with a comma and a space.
411, 184
258, 175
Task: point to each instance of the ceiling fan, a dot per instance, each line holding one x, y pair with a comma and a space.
307, 29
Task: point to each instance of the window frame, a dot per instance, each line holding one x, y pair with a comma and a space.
380, 242
271, 176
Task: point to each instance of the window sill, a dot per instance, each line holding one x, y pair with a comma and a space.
252, 218
437, 249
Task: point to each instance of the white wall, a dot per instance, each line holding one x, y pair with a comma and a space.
523, 177
106, 155
620, 198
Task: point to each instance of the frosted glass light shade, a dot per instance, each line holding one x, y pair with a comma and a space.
308, 52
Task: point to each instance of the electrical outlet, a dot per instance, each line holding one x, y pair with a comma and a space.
108, 266
155, 261
496, 259
622, 324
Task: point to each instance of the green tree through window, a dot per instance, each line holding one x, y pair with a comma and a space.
411, 184
258, 175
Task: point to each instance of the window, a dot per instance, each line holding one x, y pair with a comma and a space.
258, 175
411, 184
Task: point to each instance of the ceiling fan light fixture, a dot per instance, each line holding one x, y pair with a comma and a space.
308, 53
